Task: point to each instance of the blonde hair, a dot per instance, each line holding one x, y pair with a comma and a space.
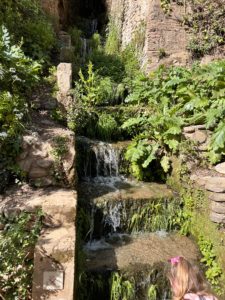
186, 278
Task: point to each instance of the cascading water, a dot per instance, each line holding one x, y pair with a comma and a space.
113, 217
127, 225
99, 160
107, 160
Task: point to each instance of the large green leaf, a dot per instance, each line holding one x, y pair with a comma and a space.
165, 163
218, 138
152, 152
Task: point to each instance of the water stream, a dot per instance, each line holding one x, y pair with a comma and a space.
127, 227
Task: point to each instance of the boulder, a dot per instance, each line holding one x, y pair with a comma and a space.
220, 168
200, 180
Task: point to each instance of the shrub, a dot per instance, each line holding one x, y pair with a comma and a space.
93, 89
112, 44
18, 73
25, 19
17, 243
107, 127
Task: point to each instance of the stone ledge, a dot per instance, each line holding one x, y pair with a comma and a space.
54, 252
55, 249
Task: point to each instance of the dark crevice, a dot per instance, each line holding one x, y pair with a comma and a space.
85, 11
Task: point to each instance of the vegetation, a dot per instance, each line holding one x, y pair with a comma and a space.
174, 98
207, 25
18, 74
26, 21
17, 243
166, 4
158, 215
213, 270
195, 222
121, 289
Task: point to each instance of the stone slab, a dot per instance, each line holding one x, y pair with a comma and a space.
53, 280
218, 197
57, 203
55, 250
218, 207
216, 184
217, 218
64, 77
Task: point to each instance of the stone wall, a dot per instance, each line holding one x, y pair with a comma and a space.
163, 33
209, 179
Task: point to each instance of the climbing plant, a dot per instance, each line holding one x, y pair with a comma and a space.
207, 25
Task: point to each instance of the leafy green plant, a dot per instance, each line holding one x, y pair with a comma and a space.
93, 89
106, 127
18, 72
112, 44
206, 23
173, 98
18, 75
152, 292
26, 20
213, 271
121, 289
17, 244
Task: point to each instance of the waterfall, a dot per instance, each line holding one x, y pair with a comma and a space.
93, 26
107, 159
99, 159
113, 217
85, 48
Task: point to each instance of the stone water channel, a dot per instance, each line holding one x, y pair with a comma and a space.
124, 227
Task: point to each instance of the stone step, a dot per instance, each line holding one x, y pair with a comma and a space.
59, 204
220, 168
141, 250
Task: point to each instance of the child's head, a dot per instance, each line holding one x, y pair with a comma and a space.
185, 278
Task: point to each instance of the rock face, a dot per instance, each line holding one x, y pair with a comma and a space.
160, 33
59, 10
40, 160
